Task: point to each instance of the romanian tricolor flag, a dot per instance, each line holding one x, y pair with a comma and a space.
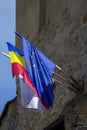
18, 65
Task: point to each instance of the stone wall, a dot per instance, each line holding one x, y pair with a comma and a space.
59, 29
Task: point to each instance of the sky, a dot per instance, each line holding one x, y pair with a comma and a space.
7, 28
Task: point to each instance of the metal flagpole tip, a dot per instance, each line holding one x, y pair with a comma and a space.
6, 42
18, 34
14, 31
3, 53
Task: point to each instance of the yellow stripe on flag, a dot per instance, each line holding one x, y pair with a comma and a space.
15, 57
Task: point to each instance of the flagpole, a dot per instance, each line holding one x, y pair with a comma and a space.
55, 74
3, 53
59, 82
68, 76
71, 81
59, 68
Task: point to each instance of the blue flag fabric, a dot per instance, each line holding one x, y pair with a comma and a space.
40, 69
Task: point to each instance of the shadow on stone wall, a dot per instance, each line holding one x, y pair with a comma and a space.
56, 125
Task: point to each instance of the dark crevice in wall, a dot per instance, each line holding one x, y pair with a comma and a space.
56, 125
60, 126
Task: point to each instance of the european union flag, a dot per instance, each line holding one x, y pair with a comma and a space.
40, 69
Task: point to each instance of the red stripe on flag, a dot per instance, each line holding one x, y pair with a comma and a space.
18, 69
